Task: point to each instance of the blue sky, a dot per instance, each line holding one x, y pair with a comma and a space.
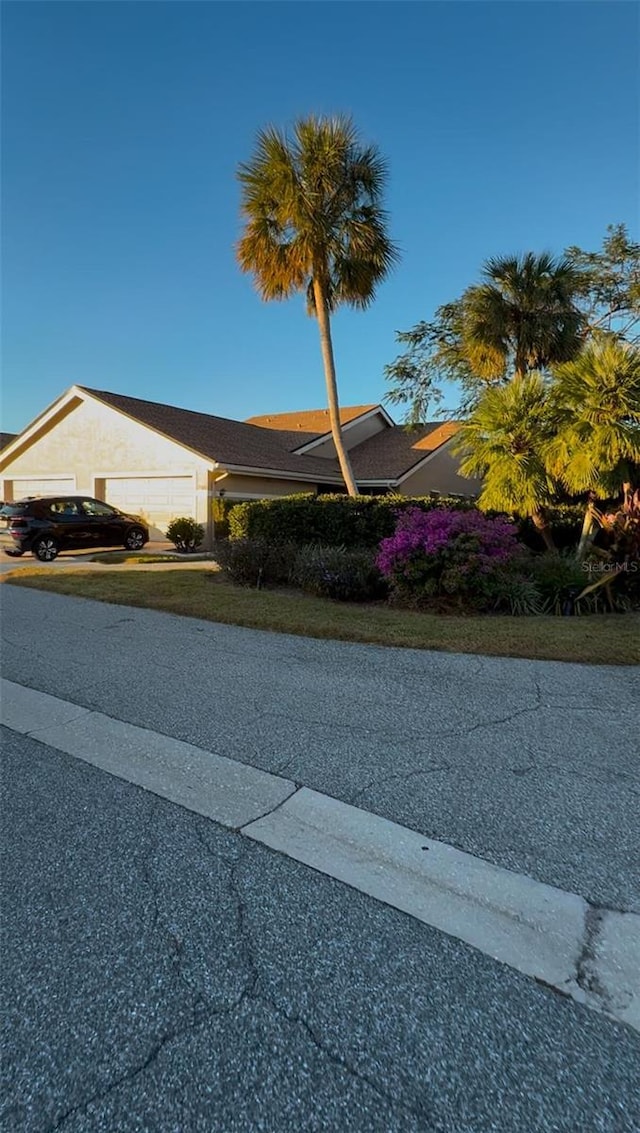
507, 127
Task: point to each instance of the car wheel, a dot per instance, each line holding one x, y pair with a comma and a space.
45, 549
14, 554
135, 539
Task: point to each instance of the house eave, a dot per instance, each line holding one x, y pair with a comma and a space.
278, 473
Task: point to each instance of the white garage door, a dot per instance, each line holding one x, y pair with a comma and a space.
44, 487
158, 499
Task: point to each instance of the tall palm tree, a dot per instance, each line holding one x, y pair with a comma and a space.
596, 404
314, 222
504, 442
523, 317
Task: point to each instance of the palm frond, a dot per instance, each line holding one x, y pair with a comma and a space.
311, 205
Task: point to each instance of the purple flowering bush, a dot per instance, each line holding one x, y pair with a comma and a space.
446, 557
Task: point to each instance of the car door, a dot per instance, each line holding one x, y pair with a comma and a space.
71, 528
106, 523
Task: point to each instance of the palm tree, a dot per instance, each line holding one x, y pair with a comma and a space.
314, 222
596, 405
503, 442
523, 317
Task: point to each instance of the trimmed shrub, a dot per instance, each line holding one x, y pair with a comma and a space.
185, 534
363, 521
220, 509
342, 573
331, 520
254, 562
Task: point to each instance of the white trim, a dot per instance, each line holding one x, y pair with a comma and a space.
232, 496
376, 483
348, 425
278, 473
134, 474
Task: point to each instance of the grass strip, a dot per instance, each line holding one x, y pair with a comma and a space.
597, 639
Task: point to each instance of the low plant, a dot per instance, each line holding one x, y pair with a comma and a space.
256, 562
511, 590
558, 578
185, 534
341, 573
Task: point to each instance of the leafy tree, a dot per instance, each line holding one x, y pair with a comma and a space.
504, 442
610, 284
314, 222
521, 318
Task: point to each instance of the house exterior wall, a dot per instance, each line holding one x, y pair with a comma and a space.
353, 435
440, 474
239, 485
96, 441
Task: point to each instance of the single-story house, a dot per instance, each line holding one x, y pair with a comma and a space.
161, 462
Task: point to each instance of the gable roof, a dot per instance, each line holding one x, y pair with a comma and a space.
315, 422
219, 439
384, 458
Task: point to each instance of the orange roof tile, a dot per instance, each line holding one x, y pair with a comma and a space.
308, 420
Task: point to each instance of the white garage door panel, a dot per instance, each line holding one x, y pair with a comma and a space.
44, 487
159, 499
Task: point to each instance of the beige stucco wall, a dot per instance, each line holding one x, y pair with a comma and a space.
236, 484
352, 435
440, 474
96, 441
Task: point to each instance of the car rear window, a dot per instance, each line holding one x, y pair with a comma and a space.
20, 508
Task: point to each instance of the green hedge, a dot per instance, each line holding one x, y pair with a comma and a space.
340, 521
335, 521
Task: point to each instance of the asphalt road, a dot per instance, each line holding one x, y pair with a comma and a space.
162, 974
531, 765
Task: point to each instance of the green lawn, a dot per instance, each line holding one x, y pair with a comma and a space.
116, 557
606, 639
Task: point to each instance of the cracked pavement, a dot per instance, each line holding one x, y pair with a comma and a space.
162, 974
530, 765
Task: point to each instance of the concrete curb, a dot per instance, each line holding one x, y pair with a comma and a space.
553, 936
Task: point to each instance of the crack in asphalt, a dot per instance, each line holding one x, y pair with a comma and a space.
404, 775
453, 734
252, 992
587, 977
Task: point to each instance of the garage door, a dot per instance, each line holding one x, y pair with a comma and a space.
43, 487
159, 499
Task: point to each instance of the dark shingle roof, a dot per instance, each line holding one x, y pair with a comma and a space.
393, 451
384, 456
220, 439
6, 439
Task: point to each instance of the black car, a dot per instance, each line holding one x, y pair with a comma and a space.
46, 525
